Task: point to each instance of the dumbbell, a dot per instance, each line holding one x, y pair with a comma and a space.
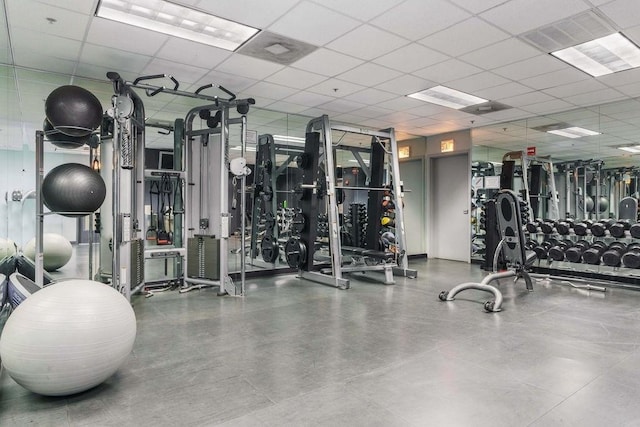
556, 252
619, 228
542, 249
634, 230
534, 226
574, 253
613, 254
593, 254
547, 226
599, 228
631, 258
563, 227
582, 228
530, 245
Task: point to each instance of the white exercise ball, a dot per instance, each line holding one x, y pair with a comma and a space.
56, 251
7, 248
68, 337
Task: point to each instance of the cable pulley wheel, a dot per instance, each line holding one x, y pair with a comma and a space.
296, 253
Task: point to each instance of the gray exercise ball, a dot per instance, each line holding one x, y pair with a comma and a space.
73, 190
73, 110
61, 140
603, 204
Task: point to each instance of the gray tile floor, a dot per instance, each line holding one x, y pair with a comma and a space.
295, 353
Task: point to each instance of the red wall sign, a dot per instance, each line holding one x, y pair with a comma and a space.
531, 151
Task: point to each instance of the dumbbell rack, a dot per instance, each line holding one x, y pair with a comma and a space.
603, 248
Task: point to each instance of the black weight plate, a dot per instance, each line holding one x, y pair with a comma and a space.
269, 249
269, 220
267, 193
339, 196
303, 160
298, 223
296, 253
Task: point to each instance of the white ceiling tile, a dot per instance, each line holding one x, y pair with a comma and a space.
287, 107
367, 42
583, 86
540, 64
507, 90
404, 85
371, 112
335, 88
24, 40
80, 6
510, 114
29, 14
500, 54
519, 16
313, 24
295, 78
232, 82
555, 78
327, 62
477, 6
363, 10
630, 90
415, 19
115, 59
411, 58
246, 66
36, 60
478, 81
420, 122
182, 72
342, 106
84, 69
527, 99
426, 109
309, 99
402, 103
369, 74
443, 72
624, 13
621, 78
270, 90
370, 96
593, 98
548, 107
108, 33
187, 52
464, 37
255, 13
400, 117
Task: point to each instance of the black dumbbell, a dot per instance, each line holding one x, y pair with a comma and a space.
547, 226
619, 228
613, 255
631, 258
533, 226
542, 249
574, 253
556, 252
564, 226
634, 230
530, 245
593, 254
600, 228
582, 228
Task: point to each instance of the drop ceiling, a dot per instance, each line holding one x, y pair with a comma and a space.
369, 55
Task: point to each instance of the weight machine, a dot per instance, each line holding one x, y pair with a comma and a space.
318, 157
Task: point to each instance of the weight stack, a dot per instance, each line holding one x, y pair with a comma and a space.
137, 263
203, 254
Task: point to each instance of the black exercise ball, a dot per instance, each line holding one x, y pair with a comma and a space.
61, 140
74, 189
73, 110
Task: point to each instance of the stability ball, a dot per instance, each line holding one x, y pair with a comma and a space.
7, 248
603, 204
68, 337
73, 110
55, 248
61, 140
73, 190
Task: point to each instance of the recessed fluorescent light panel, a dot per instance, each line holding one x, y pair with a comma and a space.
177, 20
633, 149
286, 138
573, 132
602, 56
447, 97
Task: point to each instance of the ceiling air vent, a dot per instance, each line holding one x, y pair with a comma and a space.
485, 108
276, 48
572, 31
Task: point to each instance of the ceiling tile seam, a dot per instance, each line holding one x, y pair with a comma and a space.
319, 3
82, 45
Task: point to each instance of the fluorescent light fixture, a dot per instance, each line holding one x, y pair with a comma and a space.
365, 161
602, 56
633, 149
447, 97
573, 132
286, 138
177, 20
239, 148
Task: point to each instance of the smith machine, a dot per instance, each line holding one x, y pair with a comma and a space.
201, 173
319, 185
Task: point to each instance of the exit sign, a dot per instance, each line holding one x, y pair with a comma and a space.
531, 151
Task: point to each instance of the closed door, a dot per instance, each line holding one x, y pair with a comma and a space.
450, 236
412, 174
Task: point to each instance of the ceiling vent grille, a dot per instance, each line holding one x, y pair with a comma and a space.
276, 48
485, 108
569, 32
